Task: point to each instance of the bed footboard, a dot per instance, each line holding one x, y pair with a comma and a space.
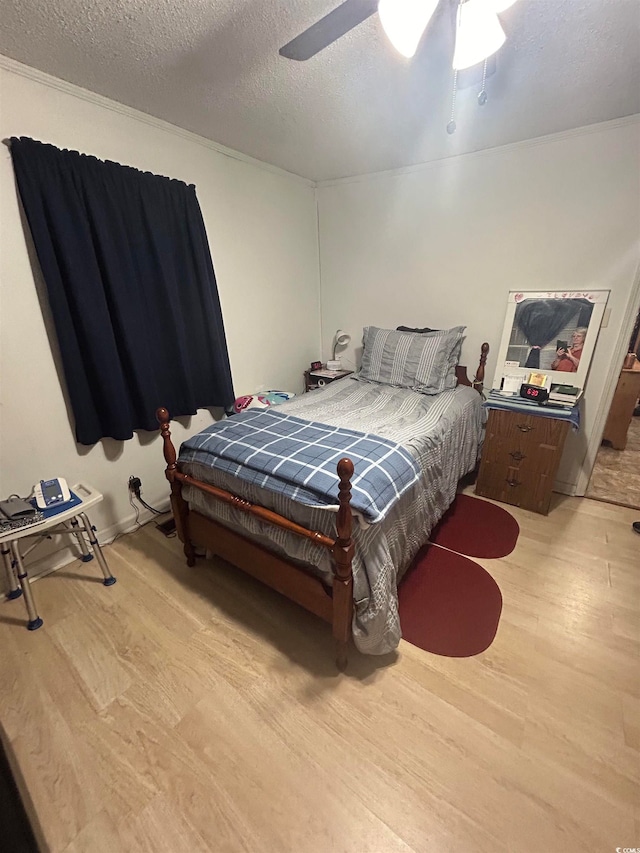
334, 605
343, 549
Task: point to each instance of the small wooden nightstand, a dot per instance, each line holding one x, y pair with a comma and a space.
317, 378
520, 458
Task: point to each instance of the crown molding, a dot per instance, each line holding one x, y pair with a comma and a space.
586, 130
15, 67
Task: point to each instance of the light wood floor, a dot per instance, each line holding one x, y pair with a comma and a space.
195, 710
616, 474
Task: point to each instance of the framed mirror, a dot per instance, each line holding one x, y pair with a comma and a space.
551, 332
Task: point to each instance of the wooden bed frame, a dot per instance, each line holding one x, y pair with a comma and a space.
333, 604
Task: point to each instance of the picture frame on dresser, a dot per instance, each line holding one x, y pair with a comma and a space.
551, 332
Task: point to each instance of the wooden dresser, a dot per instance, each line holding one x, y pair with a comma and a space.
520, 458
624, 402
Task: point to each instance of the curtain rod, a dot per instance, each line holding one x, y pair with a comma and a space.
7, 142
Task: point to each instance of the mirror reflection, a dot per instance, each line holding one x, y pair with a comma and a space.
549, 334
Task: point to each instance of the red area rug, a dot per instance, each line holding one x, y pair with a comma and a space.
476, 528
448, 604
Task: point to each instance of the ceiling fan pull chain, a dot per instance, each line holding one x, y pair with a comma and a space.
482, 95
451, 127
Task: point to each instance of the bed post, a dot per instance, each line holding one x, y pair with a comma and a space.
478, 379
178, 504
343, 577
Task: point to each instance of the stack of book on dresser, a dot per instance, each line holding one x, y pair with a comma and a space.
567, 395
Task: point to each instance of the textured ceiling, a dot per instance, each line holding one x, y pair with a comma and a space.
212, 67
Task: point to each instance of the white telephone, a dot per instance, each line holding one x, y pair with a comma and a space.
50, 493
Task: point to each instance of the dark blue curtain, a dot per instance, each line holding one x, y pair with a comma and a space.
132, 289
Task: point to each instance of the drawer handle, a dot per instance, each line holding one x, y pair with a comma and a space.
513, 483
517, 455
524, 427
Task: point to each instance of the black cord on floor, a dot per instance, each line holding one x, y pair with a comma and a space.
151, 508
135, 492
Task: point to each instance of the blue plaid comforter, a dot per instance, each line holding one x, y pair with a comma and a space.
298, 458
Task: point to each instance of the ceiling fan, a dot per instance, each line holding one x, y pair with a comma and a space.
479, 33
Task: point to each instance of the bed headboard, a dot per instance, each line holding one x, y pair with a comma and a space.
478, 379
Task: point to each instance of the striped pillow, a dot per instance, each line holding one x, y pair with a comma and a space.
422, 362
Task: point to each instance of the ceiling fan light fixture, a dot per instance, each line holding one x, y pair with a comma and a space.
404, 22
478, 34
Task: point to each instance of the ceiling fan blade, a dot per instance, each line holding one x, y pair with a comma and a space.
328, 29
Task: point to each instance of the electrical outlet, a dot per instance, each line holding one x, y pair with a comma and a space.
135, 485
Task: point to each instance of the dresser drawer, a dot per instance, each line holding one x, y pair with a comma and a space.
525, 430
520, 459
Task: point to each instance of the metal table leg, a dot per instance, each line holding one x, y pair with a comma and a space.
86, 554
34, 620
12, 578
93, 541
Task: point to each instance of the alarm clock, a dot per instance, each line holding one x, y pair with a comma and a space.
534, 392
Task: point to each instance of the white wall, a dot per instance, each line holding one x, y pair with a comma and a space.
262, 228
441, 245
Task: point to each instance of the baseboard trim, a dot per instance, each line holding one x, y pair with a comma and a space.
565, 489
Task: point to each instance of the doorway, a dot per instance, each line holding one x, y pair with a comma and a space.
616, 475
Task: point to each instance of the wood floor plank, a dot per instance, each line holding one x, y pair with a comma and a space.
60, 776
230, 732
631, 722
158, 827
94, 651
371, 772
198, 794
150, 571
